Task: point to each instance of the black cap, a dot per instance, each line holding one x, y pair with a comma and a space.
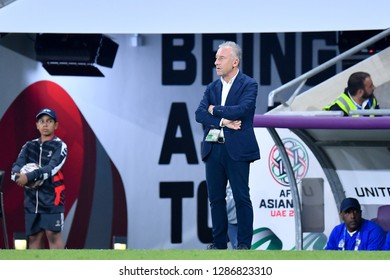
49, 112
349, 203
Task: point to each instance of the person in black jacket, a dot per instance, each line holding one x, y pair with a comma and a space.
44, 184
229, 145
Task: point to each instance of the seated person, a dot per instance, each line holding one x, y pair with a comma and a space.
358, 95
355, 233
386, 246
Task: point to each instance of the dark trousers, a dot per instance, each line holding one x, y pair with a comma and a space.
219, 169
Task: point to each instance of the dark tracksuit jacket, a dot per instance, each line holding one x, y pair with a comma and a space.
50, 156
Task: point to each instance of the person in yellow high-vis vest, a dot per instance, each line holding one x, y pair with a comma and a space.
359, 94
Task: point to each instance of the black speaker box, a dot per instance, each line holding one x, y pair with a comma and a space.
75, 48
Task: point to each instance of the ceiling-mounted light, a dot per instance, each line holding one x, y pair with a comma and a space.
4, 3
75, 54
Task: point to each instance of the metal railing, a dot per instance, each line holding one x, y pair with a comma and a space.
368, 112
303, 78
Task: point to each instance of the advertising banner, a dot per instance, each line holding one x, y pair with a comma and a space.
274, 226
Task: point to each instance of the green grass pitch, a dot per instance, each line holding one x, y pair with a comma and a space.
86, 254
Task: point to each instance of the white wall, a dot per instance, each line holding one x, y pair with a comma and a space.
190, 16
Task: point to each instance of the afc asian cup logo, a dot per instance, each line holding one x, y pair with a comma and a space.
298, 157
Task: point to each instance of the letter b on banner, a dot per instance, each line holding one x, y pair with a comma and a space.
178, 61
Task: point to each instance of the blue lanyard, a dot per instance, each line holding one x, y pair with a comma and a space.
343, 241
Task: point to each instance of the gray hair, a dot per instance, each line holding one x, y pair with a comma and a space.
237, 52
